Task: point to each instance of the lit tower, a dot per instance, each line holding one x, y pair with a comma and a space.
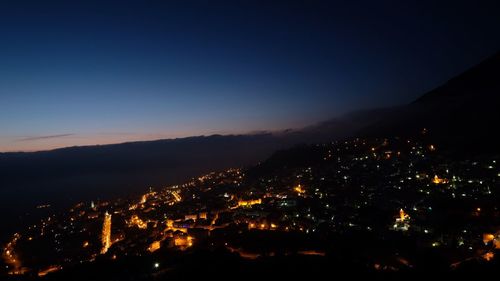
402, 215
106, 233
402, 222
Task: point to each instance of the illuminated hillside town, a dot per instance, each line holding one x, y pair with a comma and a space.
377, 199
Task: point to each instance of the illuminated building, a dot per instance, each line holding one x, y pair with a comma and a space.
299, 190
402, 221
183, 242
488, 256
493, 238
174, 226
191, 217
106, 233
154, 246
144, 198
136, 221
402, 215
438, 180
176, 196
488, 237
170, 223
249, 203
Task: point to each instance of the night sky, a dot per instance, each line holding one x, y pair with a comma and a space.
93, 72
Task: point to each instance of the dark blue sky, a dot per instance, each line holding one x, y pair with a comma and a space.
87, 72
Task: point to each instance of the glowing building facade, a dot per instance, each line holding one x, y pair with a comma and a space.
402, 222
106, 233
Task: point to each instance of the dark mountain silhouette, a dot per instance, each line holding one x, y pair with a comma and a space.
461, 115
479, 82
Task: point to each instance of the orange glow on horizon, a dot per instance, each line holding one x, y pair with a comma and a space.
36, 142
43, 143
